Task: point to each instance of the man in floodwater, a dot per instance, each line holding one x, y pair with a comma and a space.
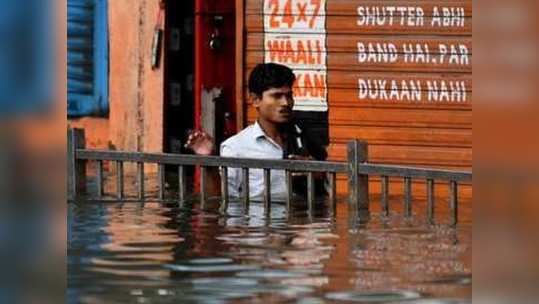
274, 135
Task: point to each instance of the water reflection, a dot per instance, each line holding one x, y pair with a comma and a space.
146, 252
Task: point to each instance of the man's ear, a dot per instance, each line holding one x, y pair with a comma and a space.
255, 99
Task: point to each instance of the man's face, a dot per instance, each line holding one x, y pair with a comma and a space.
275, 105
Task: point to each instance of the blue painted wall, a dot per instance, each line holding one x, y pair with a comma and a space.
87, 58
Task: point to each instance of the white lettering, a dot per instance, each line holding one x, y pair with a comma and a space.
394, 94
443, 51
384, 15
363, 89
361, 15
464, 60
383, 91
416, 90
410, 90
432, 94
436, 20
361, 56
377, 52
442, 91
448, 17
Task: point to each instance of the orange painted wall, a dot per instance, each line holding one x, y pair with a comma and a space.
96, 131
135, 121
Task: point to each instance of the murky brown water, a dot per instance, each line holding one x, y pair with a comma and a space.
164, 253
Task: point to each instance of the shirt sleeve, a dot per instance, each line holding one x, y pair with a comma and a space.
234, 177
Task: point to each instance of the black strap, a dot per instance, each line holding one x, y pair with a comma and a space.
302, 142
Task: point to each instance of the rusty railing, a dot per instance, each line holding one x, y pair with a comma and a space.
356, 168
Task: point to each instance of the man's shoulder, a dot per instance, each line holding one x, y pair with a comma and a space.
239, 139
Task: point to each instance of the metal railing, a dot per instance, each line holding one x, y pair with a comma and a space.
356, 168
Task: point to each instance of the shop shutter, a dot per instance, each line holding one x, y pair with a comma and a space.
398, 73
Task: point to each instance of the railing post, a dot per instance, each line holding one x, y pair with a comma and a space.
352, 172
99, 177
310, 192
289, 190
161, 180
181, 184
140, 178
407, 196
385, 195
358, 184
224, 190
203, 179
120, 180
245, 188
332, 177
76, 168
453, 202
267, 191
430, 201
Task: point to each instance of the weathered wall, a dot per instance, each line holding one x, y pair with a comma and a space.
400, 81
96, 131
136, 92
135, 120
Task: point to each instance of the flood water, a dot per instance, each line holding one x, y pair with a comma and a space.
166, 253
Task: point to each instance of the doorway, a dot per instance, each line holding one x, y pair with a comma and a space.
179, 74
199, 90
199, 55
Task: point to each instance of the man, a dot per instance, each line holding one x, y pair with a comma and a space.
274, 135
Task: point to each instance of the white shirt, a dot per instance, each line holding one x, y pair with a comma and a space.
252, 142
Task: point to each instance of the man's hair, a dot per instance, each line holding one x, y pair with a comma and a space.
270, 75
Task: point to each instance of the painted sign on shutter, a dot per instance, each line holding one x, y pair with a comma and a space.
396, 73
295, 35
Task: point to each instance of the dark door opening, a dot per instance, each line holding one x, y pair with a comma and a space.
199, 50
179, 74
199, 60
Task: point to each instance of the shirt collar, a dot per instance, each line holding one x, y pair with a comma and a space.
258, 131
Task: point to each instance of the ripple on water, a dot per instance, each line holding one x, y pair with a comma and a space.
217, 264
373, 296
436, 301
134, 253
224, 281
452, 279
226, 287
270, 274
207, 261
209, 268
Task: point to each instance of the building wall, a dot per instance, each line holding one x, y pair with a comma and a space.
135, 121
408, 122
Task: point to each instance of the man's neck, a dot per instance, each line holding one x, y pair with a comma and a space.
273, 131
